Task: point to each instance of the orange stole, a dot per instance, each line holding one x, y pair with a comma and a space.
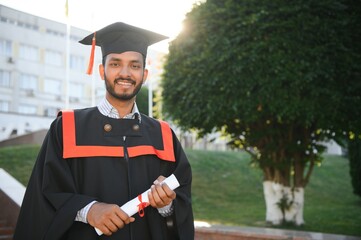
71, 150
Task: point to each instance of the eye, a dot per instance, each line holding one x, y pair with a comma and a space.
114, 64
135, 66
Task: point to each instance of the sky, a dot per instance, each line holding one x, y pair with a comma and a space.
162, 16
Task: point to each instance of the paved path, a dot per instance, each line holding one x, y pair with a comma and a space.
221, 232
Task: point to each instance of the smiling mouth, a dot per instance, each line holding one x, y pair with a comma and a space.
125, 83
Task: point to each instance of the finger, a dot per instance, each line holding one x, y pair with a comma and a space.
169, 192
161, 193
114, 224
150, 199
162, 196
159, 179
155, 194
129, 220
124, 217
165, 193
154, 198
105, 230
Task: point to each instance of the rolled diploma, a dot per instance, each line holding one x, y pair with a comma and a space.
131, 207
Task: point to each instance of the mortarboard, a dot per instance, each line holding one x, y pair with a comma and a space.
120, 37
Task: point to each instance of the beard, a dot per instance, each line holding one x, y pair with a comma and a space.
121, 96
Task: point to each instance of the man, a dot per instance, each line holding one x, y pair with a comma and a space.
96, 159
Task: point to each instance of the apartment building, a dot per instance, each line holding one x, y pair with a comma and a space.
42, 70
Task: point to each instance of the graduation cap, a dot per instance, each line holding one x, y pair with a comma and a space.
120, 37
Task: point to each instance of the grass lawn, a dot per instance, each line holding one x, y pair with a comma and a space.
226, 190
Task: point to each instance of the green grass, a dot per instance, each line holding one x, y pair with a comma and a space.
226, 190
19, 161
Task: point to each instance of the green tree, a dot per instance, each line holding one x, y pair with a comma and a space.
354, 155
142, 100
270, 74
352, 99
348, 122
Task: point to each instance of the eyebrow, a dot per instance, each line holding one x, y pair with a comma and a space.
119, 60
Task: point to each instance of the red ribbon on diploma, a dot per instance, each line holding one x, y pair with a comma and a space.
141, 206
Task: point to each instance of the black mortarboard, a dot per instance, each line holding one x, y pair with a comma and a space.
120, 37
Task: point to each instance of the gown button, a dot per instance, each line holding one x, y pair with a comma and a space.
135, 127
107, 127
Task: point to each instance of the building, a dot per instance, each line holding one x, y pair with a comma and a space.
42, 70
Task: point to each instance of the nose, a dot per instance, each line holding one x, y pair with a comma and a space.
124, 72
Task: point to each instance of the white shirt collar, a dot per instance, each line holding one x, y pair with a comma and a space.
108, 110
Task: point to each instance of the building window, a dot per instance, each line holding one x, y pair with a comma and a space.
53, 58
28, 82
27, 25
28, 52
4, 78
19, 23
4, 106
51, 111
55, 33
77, 63
5, 48
27, 109
52, 86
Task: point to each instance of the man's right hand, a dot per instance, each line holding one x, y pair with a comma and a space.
108, 218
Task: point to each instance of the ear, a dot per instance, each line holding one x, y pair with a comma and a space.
145, 75
101, 71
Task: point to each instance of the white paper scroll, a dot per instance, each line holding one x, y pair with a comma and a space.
131, 207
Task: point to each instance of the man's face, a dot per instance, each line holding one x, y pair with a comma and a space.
124, 75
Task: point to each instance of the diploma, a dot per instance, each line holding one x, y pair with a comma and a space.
136, 204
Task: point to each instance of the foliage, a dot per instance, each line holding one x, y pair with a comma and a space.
350, 113
354, 154
142, 100
268, 73
348, 117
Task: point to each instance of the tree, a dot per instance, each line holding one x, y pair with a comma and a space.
354, 152
348, 123
352, 123
268, 74
142, 100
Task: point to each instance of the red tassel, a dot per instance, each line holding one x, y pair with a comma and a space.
91, 59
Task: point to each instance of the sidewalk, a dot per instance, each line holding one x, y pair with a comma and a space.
220, 232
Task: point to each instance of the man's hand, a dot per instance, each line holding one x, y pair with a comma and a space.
160, 195
108, 218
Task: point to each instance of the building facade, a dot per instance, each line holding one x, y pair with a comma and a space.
42, 70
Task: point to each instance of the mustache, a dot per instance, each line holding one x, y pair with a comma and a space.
124, 79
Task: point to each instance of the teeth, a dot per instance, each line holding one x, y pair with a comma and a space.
124, 83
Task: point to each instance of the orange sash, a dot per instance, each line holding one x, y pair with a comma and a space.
71, 150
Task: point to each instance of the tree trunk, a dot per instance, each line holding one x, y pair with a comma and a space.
295, 212
354, 156
283, 204
272, 195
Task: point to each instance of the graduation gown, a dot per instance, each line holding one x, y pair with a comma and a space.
87, 156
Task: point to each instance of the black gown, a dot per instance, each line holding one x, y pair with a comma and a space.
87, 156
